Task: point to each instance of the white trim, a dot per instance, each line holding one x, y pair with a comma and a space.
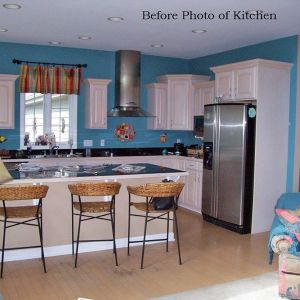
296, 182
22, 254
47, 112
22, 120
47, 125
73, 121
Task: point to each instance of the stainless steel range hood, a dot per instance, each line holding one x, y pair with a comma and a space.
127, 80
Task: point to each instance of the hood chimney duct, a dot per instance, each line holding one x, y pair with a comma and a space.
127, 81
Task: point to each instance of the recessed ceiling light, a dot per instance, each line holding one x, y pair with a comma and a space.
3, 30
11, 6
157, 45
115, 19
254, 11
54, 43
199, 30
84, 37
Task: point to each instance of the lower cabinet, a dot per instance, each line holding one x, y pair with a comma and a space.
192, 194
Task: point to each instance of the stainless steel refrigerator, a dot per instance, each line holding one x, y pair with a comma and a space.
228, 164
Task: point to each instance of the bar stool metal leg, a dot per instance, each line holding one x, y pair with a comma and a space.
144, 240
129, 213
40, 227
177, 234
168, 222
112, 216
3, 247
78, 236
72, 224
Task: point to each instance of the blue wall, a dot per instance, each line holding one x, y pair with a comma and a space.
284, 49
101, 64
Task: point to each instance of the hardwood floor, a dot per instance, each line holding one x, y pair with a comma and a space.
211, 255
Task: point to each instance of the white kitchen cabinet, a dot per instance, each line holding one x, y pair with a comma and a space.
157, 105
7, 101
204, 93
192, 193
96, 103
237, 82
180, 99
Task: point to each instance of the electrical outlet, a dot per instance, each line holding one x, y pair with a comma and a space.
88, 143
102, 142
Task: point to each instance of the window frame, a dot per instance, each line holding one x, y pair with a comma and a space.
47, 121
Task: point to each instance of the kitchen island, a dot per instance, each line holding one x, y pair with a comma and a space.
57, 174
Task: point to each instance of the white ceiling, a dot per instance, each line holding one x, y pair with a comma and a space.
41, 21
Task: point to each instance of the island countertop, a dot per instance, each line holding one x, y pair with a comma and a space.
40, 173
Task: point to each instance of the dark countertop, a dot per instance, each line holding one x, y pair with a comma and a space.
57, 172
95, 152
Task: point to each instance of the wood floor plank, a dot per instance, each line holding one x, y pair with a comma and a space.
210, 254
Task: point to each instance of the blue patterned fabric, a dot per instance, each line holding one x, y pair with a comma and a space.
286, 201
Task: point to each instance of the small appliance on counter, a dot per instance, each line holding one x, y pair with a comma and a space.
179, 149
195, 151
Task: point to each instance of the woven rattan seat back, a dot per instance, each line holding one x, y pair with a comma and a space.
95, 188
161, 189
25, 192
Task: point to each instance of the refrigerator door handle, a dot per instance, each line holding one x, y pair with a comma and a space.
216, 154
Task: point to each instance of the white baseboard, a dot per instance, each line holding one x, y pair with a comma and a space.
22, 254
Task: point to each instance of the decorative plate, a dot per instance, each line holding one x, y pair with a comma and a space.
125, 132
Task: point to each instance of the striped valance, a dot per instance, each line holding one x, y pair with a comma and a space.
50, 79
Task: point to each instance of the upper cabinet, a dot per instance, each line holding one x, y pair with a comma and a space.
157, 105
204, 93
96, 103
180, 99
236, 81
7, 101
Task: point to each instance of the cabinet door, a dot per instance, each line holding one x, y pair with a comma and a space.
203, 95
207, 95
224, 85
7, 101
190, 200
199, 105
157, 105
244, 83
96, 104
191, 197
199, 191
179, 105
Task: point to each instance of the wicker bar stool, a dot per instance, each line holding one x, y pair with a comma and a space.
30, 213
152, 191
101, 210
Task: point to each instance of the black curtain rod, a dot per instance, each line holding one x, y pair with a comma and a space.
17, 61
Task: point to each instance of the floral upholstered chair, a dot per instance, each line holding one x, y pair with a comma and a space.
285, 241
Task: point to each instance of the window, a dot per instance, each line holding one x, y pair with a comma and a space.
46, 115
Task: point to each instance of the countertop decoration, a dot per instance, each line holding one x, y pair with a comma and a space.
163, 138
125, 132
2, 139
3, 152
